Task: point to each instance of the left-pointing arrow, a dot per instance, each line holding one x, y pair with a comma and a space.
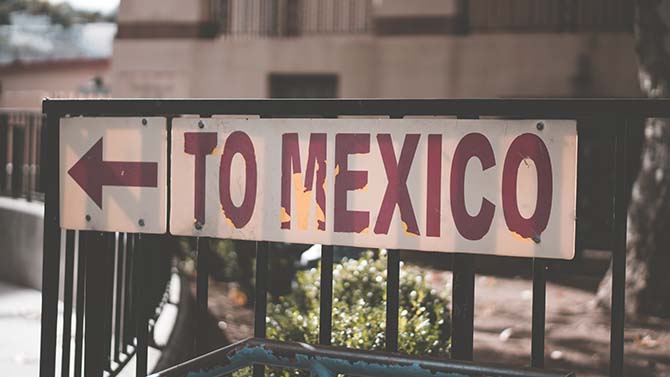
91, 173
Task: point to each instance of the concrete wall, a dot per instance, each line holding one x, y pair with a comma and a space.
404, 8
24, 86
478, 65
21, 225
161, 10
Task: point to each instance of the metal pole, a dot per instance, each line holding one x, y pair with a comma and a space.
619, 255
51, 247
326, 296
539, 312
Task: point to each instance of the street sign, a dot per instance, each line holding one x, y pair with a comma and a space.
113, 174
501, 187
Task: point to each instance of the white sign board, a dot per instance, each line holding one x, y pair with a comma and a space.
501, 187
113, 174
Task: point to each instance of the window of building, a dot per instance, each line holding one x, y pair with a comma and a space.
303, 86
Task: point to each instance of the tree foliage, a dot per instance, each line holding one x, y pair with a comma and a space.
60, 14
359, 309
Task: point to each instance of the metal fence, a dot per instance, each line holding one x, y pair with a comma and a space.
20, 137
101, 277
274, 18
618, 114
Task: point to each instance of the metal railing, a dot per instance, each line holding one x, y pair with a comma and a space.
618, 114
102, 284
115, 285
20, 138
272, 18
324, 361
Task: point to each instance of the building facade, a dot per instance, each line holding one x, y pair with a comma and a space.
374, 48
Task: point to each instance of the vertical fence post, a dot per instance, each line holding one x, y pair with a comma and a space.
326, 296
392, 299
392, 292
67, 302
619, 253
119, 319
51, 249
539, 311
35, 120
81, 302
129, 301
141, 312
202, 292
463, 300
108, 296
9, 166
25, 168
260, 303
94, 335
462, 325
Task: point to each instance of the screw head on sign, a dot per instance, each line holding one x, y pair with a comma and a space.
201, 124
540, 126
141, 222
88, 217
198, 225
144, 122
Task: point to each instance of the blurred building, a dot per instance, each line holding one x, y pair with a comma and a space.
39, 59
374, 48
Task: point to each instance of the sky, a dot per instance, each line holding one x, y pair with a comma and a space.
103, 6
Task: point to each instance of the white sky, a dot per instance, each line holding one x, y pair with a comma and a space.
104, 6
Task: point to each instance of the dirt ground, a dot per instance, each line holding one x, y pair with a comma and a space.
577, 334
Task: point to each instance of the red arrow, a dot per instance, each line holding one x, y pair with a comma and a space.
91, 173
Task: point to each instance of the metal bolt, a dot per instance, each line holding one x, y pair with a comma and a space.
201, 124
144, 122
141, 222
540, 126
536, 238
198, 225
88, 217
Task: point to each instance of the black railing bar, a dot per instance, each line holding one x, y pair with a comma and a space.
392, 288
81, 302
25, 168
128, 317
118, 293
108, 318
9, 159
345, 358
51, 250
326, 296
260, 299
536, 108
463, 297
38, 143
94, 334
33, 155
539, 312
202, 289
68, 287
463, 291
142, 327
392, 299
618, 309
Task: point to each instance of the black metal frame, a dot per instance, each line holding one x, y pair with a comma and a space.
620, 111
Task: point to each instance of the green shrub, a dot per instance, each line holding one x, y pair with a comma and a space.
359, 309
